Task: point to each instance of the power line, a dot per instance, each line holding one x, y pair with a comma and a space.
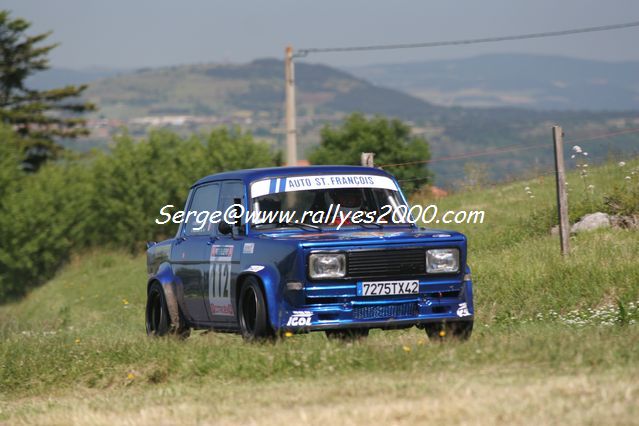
304, 52
510, 148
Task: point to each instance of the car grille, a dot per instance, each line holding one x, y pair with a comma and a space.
386, 263
397, 310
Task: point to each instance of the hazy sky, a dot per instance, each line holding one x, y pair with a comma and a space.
138, 33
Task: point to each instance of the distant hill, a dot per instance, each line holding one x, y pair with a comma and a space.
531, 81
58, 77
195, 97
257, 86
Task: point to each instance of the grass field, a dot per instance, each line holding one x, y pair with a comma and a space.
556, 342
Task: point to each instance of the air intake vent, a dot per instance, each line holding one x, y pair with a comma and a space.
398, 310
386, 263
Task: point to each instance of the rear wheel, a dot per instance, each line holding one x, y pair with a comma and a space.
348, 334
443, 331
158, 320
252, 312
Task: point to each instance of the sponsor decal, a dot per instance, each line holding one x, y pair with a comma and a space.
463, 311
248, 248
220, 280
221, 253
305, 183
299, 318
254, 268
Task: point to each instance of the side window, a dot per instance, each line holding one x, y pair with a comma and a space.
231, 190
203, 204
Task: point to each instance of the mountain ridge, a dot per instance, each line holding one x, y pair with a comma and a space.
190, 98
544, 82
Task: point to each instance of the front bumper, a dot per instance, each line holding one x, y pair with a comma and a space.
330, 307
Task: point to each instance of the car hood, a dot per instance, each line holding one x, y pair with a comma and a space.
365, 236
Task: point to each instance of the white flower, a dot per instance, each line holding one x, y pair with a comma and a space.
591, 186
532, 196
527, 188
586, 154
628, 178
572, 156
585, 165
577, 149
622, 163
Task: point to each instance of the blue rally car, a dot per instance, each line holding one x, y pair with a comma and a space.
290, 263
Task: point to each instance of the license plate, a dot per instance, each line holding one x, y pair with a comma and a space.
387, 288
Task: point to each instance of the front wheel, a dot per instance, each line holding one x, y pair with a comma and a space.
252, 312
443, 331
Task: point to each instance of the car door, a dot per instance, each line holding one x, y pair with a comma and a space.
192, 248
225, 261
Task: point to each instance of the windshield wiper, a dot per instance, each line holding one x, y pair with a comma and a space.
305, 226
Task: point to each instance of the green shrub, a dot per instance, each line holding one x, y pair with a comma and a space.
136, 180
40, 225
109, 200
623, 199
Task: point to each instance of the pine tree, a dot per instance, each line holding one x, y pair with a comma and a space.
40, 117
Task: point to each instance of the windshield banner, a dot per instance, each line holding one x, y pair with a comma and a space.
307, 183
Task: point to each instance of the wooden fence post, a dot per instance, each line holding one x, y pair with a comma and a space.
368, 159
562, 195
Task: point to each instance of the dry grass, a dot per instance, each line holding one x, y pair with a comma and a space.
488, 396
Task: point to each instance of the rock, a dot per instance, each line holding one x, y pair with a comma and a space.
592, 221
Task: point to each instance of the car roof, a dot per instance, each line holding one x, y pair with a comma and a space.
251, 175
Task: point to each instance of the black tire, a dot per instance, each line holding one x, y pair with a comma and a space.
253, 313
158, 320
445, 331
348, 334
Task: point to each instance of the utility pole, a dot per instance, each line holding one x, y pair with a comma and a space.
291, 130
562, 195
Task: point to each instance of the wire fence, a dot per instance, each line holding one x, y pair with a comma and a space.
507, 149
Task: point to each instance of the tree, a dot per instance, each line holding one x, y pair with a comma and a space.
39, 117
137, 178
10, 173
390, 140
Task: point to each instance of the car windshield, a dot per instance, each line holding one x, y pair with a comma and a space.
326, 201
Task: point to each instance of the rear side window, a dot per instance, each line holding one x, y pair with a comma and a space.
204, 199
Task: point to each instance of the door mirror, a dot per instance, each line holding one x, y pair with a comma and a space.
224, 228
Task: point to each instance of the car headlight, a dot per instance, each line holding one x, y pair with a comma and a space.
442, 261
327, 265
